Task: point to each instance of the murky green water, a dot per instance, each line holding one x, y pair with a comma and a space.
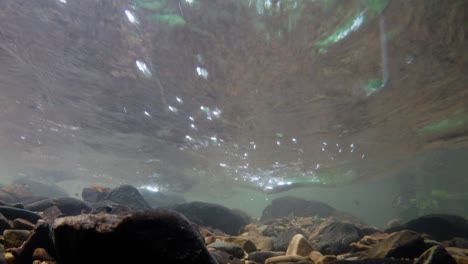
361, 104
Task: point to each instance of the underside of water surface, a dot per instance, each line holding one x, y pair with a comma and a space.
361, 104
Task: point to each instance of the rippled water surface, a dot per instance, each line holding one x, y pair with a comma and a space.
344, 100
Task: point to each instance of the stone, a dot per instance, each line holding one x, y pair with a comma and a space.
67, 205
39, 238
243, 242
129, 196
282, 240
229, 248
23, 224
403, 244
12, 213
213, 215
14, 237
9, 257
280, 259
262, 243
161, 235
94, 194
41, 254
315, 255
4, 223
337, 236
224, 258
299, 246
51, 213
439, 226
110, 207
459, 242
288, 205
460, 260
457, 251
261, 256
326, 259
435, 255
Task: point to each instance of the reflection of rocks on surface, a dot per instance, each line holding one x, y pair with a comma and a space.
210, 233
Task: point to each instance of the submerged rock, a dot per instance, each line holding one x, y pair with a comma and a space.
159, 236
213, 215
288, 205
337, 236
403, 244
67, 205
439, 226
129, 196
435, 255
12, 213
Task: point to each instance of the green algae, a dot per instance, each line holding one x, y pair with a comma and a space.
445, 124
360, 17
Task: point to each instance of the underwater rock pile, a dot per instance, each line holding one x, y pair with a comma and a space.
119, 226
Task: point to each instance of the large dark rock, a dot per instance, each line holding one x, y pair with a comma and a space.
12, 213
281, 240
287, 205
67, 205
213, 215
94, 194
229, 248
109, 207
337, 236
403, 244
152, 236
435, 255
129, 196
439, 226
40, 238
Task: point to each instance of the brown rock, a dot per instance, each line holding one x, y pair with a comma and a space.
463, 252
22, 224
402, 244
373, 239
299, 246
315, 255
210, 239
359, 247
9, 257
51, 213
42, 255
15, 237
326, 259
262, 243
460, 260
250, 228
434, 255
243, 242
279, 259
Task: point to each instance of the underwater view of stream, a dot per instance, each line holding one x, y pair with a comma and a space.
360, 104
